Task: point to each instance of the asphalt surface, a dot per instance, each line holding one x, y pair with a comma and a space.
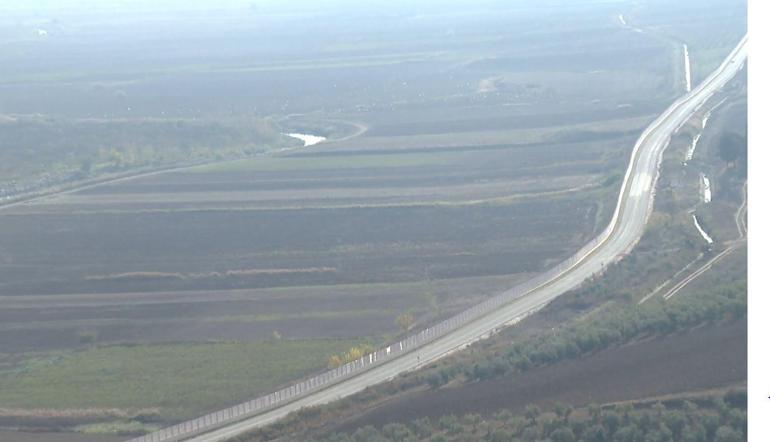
625, 229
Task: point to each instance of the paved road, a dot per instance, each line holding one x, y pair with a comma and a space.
625, 229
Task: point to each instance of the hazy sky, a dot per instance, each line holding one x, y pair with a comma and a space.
45, 7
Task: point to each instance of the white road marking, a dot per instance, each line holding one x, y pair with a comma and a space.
701, 231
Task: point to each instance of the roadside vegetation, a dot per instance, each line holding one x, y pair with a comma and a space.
356, 352
40, 152
161, 382
615, 326
721, 418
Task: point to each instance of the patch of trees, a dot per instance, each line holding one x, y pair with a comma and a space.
733, 149
405, 321
74, 149
732, 146
356, 352
616, 327
718, 419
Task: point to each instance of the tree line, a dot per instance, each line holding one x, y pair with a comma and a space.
619, 326
715, 419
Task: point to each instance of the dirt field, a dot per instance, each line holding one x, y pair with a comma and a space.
328, 246
700, 359
309, 246
19, 436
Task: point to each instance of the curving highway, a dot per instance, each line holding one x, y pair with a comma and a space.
626, 227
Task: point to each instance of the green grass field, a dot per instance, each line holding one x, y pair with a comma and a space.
169, 377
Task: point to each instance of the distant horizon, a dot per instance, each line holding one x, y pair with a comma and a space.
89, 7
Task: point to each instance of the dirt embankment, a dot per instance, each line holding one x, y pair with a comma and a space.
708, 357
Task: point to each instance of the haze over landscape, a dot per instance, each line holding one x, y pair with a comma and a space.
373, 221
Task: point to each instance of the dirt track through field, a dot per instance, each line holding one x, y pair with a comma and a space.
700, 359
